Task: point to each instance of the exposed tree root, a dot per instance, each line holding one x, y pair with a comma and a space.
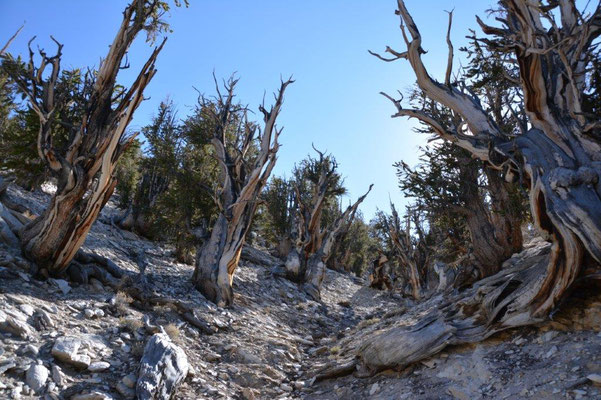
91, 265
491, 305
332, 371
186, 311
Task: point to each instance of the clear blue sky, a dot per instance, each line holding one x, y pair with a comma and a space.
323, 43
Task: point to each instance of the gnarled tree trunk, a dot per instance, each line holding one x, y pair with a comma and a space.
242, 182
413, 253
495, 228
85, 169
379, 277
559, 158
305, 263
315, 268
150, 187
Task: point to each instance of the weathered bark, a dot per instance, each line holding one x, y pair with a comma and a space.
559, 157
495, 228
309, 268
307, 232
218, 257
379, 278
313, 241
315, 267
85, 169
341, 250
414, 254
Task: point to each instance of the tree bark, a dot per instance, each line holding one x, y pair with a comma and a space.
379, 278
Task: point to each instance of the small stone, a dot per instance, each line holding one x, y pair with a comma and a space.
65, 349
595, 378
57, 375
548, 336
298, 385
36, 377
248, 357
30, 349
92, 396
155, 380
27, 309
130, 380
212, 357
374, 389
15, 324
285, 387
551, 352
98, 366
248, 394
126, 392
89, 313
63, 285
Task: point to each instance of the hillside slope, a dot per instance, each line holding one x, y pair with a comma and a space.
270, 344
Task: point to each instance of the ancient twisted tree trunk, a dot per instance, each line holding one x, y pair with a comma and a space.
494, 225
379, 277
559, 158
315, 268
305, 263
413, 252
150, 187
306, 232
85, 169
242, 182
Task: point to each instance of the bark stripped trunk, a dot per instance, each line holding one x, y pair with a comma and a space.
312, 243
341, 249
242, 183
85, 169
316, 263
379, 278
306, 232
413, 254
559, 156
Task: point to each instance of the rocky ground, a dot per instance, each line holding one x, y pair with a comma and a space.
63, 340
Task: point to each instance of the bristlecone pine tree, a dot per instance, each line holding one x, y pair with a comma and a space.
558, 155
244, 173
312, 241
84, 168
449, 185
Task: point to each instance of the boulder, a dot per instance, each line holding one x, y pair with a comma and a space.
163, 367
65, 349
36, 377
